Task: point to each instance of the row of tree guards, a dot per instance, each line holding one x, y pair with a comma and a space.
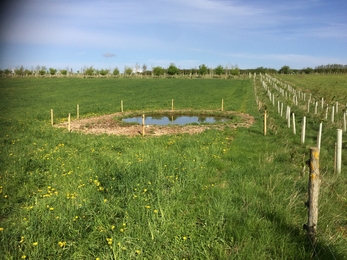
314, 177
122, 110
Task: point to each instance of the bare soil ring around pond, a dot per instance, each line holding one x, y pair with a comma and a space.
108, 124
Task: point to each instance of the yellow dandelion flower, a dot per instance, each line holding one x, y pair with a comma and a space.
105, 200
24, 256
109, 241
62, 244
51, 209
147, 207
184, 238
112, 227
155, 211
21, 239
121, 230
1, 229
35, 243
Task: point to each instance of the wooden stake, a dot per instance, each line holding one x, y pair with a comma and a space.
319, 139
52, 121
303, 132
121, 106
222, 105
339, 151
265, 122
78, 111
143, 124
172, 104
69, 123
313, 192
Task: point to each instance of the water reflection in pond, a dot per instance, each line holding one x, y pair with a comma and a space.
177, 120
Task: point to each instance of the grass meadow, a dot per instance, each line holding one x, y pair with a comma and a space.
220, 194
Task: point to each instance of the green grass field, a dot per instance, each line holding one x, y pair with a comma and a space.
221, 194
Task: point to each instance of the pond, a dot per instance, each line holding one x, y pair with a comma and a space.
174, 120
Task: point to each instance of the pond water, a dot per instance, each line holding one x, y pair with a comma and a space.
174, 120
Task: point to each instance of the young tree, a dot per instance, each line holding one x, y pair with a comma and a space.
172, 70
157, 71
89, 71
285, 70
103, 72
63, 72
128, 70
202, 70
235, 71
219, 70
52, 71
144, 68
19, 71
115, 72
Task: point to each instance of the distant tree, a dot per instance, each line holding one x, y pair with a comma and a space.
202, 70
63, 72
28, 72
219, 70
285, 70
172, 70
157, 71
144, 68
308, 70
19, 71
42, 71
115, 72
7, 72
52, 71
128, 70
235, 71
89, 71
103, 72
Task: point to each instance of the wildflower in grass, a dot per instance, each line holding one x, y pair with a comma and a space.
109, 241
137, 252
24, 256
155, 211
1, 229
147, 207
21, 239
62, 244
121, 230
112, 227
184, 238
105, 200
35, 243
51, 208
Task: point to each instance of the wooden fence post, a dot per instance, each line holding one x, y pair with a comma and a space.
313, 192
52, 121
339, 151
143, 124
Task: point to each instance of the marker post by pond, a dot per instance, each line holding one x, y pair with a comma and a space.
172, 104
143, 124
222, 109
121, 106
52, 121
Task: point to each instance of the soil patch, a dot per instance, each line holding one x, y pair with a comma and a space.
107, 124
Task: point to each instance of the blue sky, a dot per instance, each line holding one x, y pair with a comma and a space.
107, 34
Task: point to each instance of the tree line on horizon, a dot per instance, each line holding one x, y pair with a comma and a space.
171, 71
